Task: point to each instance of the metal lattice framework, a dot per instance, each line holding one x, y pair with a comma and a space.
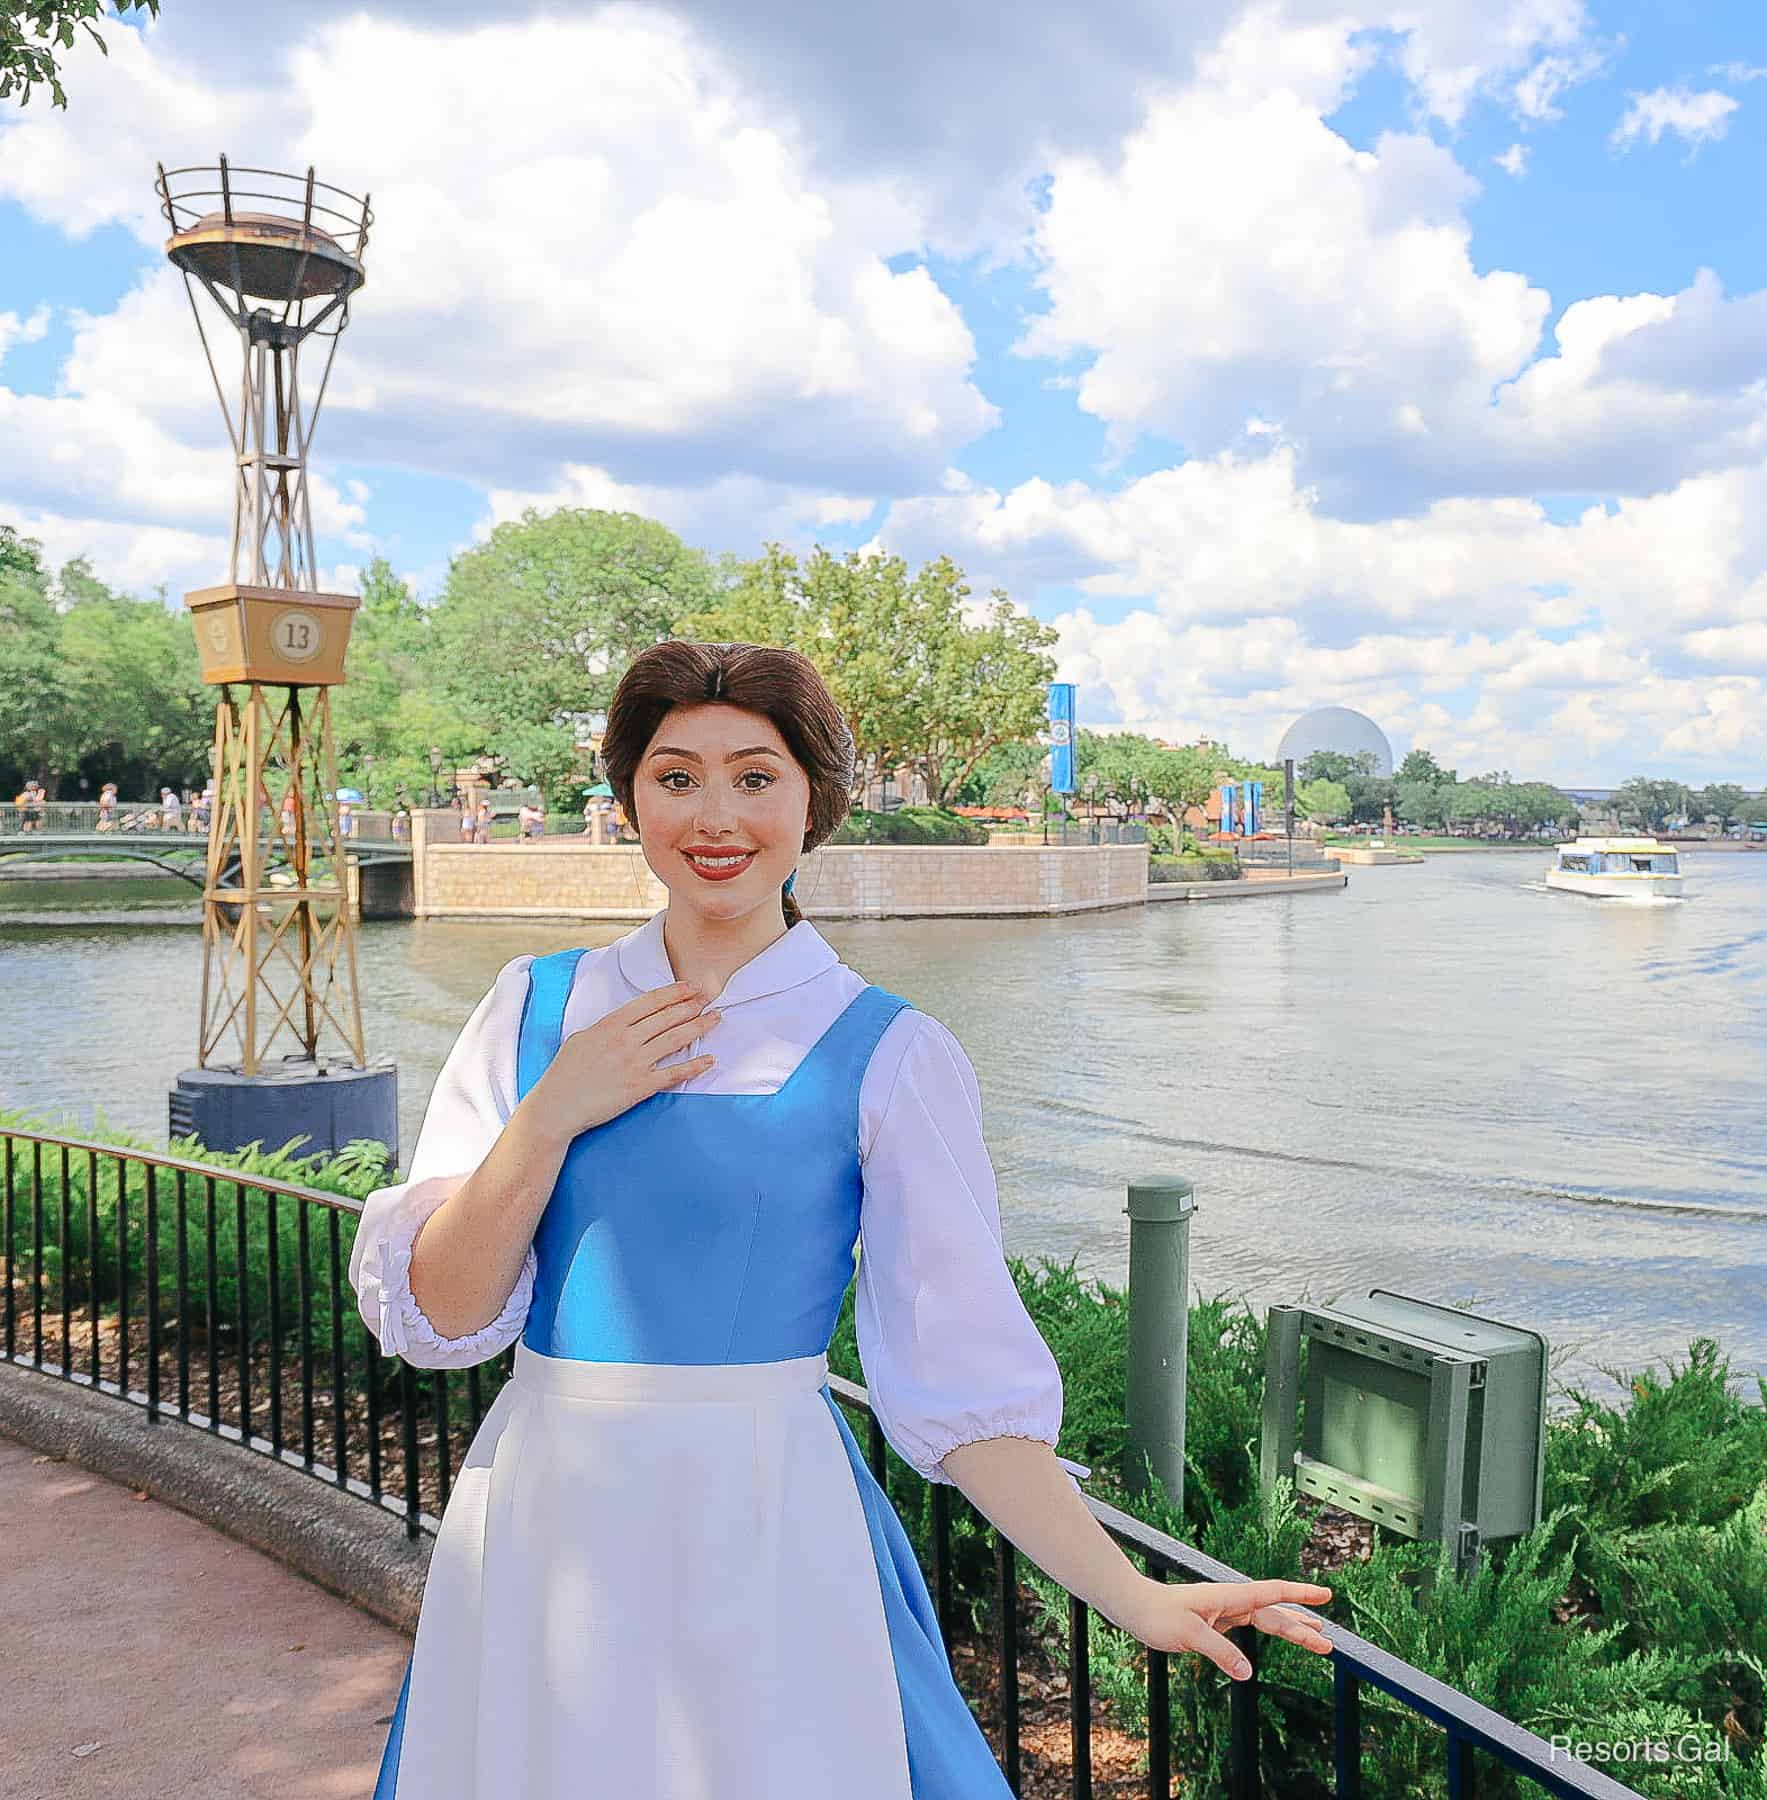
279, 948
281, 258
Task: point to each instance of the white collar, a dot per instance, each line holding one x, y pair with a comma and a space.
786, 962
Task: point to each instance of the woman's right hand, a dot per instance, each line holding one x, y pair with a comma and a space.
609, 1066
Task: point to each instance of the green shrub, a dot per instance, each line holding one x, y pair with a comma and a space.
1677, 1554
909, 825
1200, 865
1166, 838
1655, 1516
183, 1208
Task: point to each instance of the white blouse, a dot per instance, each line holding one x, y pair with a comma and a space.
949, 1352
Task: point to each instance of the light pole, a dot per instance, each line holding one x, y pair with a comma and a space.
435, 775
1092, 802
368, 778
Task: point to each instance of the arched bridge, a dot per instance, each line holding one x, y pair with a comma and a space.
180, 853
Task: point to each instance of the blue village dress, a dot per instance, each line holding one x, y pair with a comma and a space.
665, 1571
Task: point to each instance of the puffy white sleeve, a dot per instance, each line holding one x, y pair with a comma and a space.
949, 1352
471, 1102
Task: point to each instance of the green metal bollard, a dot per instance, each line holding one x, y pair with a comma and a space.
1159, 1209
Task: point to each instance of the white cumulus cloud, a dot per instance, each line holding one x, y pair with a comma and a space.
29, 330
617, 259
1695, 118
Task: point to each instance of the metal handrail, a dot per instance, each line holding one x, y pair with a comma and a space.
299, 192
384, 1414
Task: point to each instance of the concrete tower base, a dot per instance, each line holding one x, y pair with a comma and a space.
328, 1106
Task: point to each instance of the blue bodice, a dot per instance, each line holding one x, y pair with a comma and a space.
702, 1228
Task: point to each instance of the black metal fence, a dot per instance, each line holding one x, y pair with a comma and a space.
1275, 853
220, 1301
1088, 831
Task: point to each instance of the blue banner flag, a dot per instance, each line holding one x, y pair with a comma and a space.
1061, 737
1229, 792
1254, 808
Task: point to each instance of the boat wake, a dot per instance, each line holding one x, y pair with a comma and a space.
1540, 887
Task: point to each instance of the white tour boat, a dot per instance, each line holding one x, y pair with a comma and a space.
1617, 868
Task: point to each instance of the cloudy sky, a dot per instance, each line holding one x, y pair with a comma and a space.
1405, 354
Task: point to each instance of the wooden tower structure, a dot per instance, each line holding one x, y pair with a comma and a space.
280, 256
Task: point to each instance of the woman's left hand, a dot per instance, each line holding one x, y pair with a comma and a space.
1191, 1616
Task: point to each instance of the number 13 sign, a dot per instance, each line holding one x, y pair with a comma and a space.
295, 636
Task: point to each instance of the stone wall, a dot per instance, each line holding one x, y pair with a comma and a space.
567, 877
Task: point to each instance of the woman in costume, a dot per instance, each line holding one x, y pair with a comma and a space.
665, 1571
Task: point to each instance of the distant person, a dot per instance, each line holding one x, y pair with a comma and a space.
171, 810
30, 807
401, 823
346, 819
532, 820
481, 823
201, 808
469, 822
107, 807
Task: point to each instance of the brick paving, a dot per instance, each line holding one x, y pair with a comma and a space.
144, 1655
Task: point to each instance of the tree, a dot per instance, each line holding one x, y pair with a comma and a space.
1335, 765
1125, 762
1650, 804
1370, 796
388, 705
1753, 811
1721, 801
36, 707
540, 621
1473, 804
1324, 802
31, 31
21, 556
1538, 804
1182, 778
1423, 803
143, 714
543, 755
917, 683
1421, 766
1002, 777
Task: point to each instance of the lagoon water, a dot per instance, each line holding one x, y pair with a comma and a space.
1442, 1081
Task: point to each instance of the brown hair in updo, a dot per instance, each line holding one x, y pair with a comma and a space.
782, 684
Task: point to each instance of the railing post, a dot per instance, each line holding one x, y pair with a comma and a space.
1159, 1209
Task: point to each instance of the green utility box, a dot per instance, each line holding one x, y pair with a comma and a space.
1422, 1418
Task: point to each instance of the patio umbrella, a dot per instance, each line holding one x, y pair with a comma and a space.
600, 787
350, 794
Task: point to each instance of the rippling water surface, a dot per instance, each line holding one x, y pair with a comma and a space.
1442, 1080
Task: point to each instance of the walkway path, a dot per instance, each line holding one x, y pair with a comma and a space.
143, 1654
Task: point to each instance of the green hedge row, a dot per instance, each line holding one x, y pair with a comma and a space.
1199, 865
909, 825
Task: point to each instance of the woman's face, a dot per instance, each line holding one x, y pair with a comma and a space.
717, 782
